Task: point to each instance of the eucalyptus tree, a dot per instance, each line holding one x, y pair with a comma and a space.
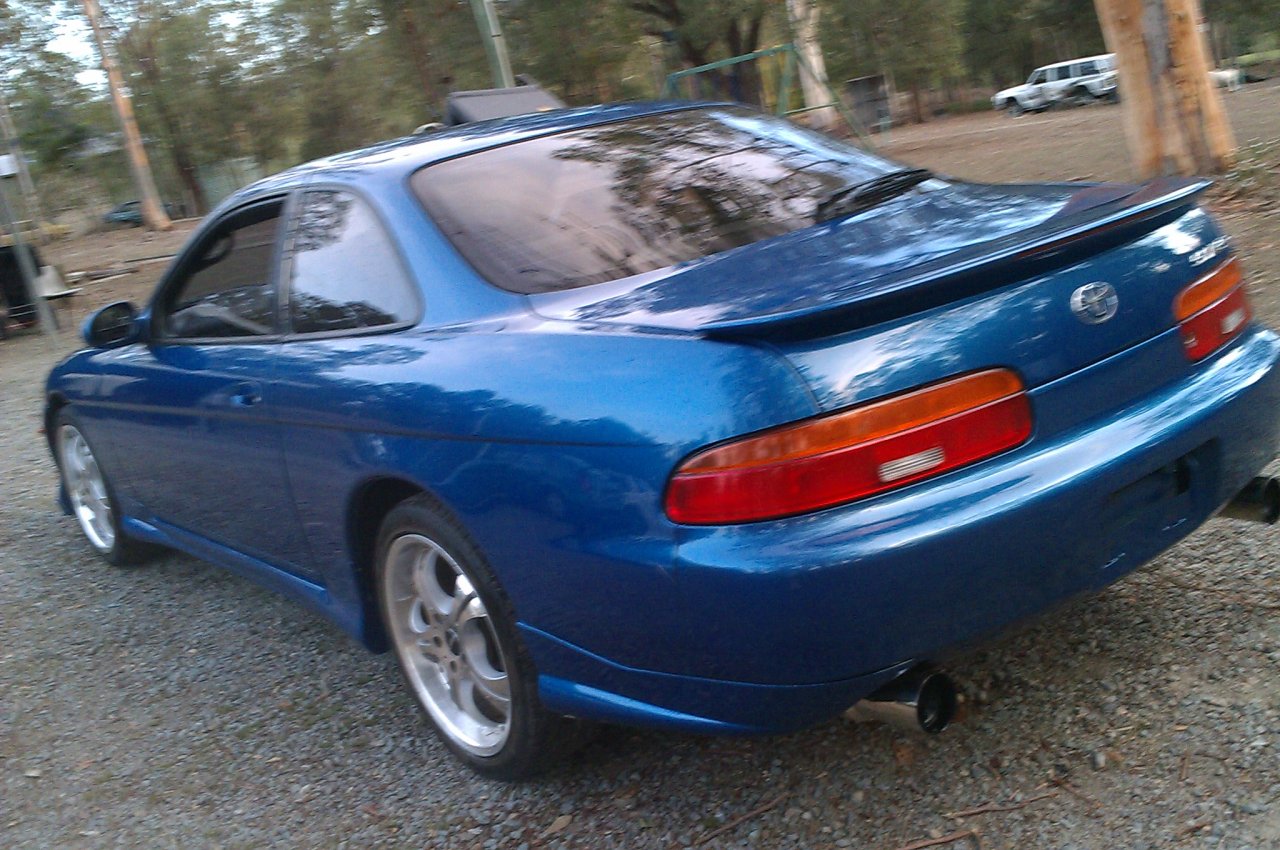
918, 44
702, 31
604, 59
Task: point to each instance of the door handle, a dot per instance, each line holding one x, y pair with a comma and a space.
246, 395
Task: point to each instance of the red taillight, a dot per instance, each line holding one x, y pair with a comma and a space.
1212, 311
852, 454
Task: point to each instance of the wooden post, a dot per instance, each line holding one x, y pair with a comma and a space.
153, 214
1173, 114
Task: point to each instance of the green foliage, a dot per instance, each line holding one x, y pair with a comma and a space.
1259, 58
48, 105
702, 31
919, 43
1006, 39
1244, 26
999, 45
278, 81
591, 65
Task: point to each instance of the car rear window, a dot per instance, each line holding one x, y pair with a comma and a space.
601, 203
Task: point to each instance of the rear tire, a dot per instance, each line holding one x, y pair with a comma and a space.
1081, 96
91, 496
453, 632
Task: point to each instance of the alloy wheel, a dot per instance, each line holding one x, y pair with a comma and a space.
443, 636
86, 488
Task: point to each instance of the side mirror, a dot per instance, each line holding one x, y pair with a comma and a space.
113, 325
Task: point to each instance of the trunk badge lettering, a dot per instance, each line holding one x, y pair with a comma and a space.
1095, 303
1208, 252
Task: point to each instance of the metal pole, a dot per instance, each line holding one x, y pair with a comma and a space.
26, 264
495, 44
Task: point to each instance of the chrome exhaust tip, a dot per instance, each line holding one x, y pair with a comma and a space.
922, 698
1259, 501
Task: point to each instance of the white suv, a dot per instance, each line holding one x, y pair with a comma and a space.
1078, 81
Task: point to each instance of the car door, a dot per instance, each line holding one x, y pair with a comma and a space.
193, 406
1059, 79
341, 365
1035, 89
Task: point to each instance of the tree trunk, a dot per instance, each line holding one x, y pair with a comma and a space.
179, 149
153, 214
917, 103
804, 16
745, 76
1174, 118
30, 198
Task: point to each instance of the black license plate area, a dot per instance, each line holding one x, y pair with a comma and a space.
1155, 506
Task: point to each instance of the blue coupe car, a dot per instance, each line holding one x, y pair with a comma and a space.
674, 415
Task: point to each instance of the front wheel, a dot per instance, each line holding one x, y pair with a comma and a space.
1014, 109
453, 634
92, 500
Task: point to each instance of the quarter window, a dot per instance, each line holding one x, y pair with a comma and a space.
227, 288
345, 273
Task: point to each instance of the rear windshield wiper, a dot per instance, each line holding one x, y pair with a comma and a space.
857, 197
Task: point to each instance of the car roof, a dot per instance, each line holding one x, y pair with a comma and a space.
409, 153
1076, 61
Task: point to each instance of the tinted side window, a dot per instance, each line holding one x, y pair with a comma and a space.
1089, 68
1037, 78
345, 273
227, 287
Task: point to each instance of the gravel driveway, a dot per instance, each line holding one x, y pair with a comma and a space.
178, 705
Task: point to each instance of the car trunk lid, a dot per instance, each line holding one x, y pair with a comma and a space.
961, 278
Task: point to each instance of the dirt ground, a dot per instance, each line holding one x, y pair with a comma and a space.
1075, 144
181, 706
1089, 144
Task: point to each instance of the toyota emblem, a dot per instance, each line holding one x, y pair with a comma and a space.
1095, 303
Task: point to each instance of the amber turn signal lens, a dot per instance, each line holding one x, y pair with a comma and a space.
1208, 289
1212, 311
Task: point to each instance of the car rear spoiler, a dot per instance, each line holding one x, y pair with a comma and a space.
1115, 216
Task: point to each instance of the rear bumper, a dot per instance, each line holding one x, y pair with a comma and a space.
801, 617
